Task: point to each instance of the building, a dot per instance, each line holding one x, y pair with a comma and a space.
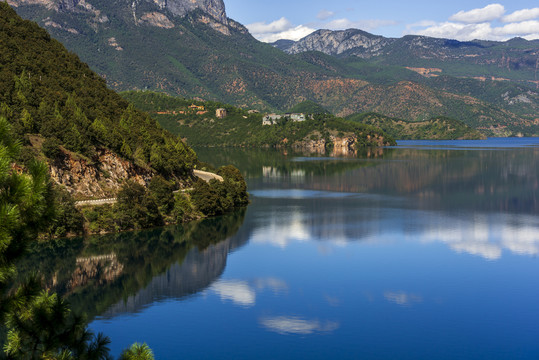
272, 119
296, 117
220, 113
196, 107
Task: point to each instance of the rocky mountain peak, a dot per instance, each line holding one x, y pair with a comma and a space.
213, 8
337, 42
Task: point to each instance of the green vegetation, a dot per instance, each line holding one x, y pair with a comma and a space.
308, 107
244, 128
138, 207
62, 112
439, 128
38, 324
46, 90
137, 352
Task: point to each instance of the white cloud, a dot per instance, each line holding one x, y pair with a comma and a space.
277, 30
325, 14
522, 15
292, 325
525, 27
367, 25
482, 24
463, 32
476, 16
283, 24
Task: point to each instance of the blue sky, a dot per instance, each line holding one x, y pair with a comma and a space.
456, 19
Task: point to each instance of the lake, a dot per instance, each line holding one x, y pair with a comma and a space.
423, 251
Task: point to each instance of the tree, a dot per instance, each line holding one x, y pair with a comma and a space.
137, 352
137, 208
39, 325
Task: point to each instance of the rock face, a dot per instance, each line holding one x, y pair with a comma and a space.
338, 42
213, 8
100, 178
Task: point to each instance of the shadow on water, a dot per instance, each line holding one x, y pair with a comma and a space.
125, 272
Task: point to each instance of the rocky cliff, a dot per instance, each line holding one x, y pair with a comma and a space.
338, 42
172, 8
100, 177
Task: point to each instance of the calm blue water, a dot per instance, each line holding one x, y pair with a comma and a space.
425, 251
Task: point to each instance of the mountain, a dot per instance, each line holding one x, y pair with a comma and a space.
439, 128
515, 59
351, 42
190, 49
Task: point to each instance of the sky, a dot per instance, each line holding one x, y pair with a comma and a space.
456, 19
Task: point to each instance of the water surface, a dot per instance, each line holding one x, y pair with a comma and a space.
423, 251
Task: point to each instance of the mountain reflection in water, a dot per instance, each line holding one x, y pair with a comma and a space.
123, 273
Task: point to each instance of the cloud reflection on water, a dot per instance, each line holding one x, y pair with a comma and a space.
337, 224
243, 293
293, 325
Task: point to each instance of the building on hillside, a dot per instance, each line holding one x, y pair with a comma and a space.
271, 119
220, 113
296, 117
253, 112
196, 107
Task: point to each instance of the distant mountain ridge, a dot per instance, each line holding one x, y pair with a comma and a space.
518, 55
190, 49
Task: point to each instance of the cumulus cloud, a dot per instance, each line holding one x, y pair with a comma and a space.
522, 15
483, 24
284, 29
367, 25
278, 29
476, 16
325, 14
292, 325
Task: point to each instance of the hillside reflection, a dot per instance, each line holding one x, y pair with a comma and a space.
477, 201
125, 272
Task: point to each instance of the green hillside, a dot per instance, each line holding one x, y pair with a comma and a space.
243, 128
47, 91
434, 129
308, 107
95, 143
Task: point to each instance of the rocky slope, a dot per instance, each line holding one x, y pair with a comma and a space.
330, 42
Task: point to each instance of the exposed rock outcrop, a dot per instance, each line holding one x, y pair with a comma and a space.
97, 179
337, 42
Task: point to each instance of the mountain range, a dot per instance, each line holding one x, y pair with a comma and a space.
190, 48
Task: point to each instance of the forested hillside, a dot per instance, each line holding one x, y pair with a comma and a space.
95, 144
49, 92
320, 132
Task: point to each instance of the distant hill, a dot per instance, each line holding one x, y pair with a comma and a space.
191, 49
241, 128
439, 128
514, 59
308, 107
